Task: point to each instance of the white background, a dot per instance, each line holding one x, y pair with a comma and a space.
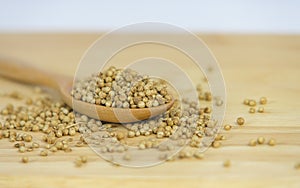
233, 16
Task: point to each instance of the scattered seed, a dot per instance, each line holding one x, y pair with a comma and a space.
18, 145
227, 127
78, 163
261, 109
252, 142
83, 159
120, 135
44, 153
272, 142
263, 100
260, 140
216, 144
199, 155
297, 166
27, 138
35, 145
24, 159
22, 149
53, 149
252, 110
240, 121
252, 103
227, 163
131, 134
246, 101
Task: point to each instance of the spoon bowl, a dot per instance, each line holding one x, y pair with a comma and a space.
63, 84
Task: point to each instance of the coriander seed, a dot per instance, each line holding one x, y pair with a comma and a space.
24, 159
83, 159
240, 121
216, 144
199, 155
120, 135
227, 127
297, 166
261, 109
252, 103
246, 102
252, 142
27, 138
78, 163
252, 110
44, 153
227, 163
263, 100
260, 140
53, 149
22, 149
272, 142
127, 157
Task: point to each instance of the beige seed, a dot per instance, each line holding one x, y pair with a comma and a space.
59, 145
43, 153
240, 121
78, 163
263, 100
252, 142
22, 149
131, 134
227, 127
35, 145
227, 163
142, 146
83, 159
27, 138
198, 155
252, 103
252, 110
246, 102
18, 145
127, 157
297, 166
272, 142
120, 135
35, 128
24, 159
261, 109
53, 149
260, 140
216, 144
141, 104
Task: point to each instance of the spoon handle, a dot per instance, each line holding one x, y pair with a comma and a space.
20, 71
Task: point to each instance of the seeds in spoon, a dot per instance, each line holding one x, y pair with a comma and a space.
124, 89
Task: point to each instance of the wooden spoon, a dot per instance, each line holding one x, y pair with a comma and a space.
63, 84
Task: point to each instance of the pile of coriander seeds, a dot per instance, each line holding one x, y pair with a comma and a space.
62, 129
121, 88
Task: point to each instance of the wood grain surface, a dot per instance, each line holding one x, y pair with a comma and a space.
252, 65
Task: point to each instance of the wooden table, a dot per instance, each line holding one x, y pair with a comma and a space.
253, 66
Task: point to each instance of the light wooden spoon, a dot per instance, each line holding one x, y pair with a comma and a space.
63, 84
